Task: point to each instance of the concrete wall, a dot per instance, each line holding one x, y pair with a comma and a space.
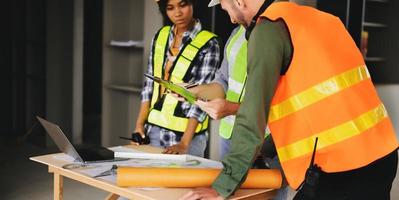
59, 63
152, 23
125, 20
64, 66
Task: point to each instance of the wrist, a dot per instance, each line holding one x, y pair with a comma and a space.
140, 124
185, 142
232, 108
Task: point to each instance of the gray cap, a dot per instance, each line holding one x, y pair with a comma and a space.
213, 3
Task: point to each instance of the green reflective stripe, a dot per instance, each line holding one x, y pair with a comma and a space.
189, 53
237, 55
202, 38
227, 124
240, 62
164, 119
175, 80
225, 129
232, 96
240, 68
236, 88
159, 56
233, 41
180, 69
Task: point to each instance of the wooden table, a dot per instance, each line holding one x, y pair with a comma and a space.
55, 167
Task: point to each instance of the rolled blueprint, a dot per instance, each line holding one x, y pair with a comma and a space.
191, 177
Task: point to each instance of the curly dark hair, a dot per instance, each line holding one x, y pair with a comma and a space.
162, 4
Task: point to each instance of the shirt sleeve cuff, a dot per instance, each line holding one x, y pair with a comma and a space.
221, 82
197, 113
225, 184
143, 99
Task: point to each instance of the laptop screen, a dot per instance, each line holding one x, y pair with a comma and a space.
59, 138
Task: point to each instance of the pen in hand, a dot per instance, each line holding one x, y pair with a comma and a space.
191, 85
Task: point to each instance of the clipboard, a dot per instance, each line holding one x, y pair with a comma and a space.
180, 90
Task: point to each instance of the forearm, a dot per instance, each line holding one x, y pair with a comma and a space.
143, 114
232, 108
266, 52
184, 145
189, 132
208, 91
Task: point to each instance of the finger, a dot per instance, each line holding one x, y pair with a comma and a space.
135, 143
174, 95
204, 107
178, 97
207, 193
216, 116
166, 151
187, 195
199, 102
172, 152
190, 196
169, 151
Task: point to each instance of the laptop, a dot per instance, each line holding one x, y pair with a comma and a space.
84, 154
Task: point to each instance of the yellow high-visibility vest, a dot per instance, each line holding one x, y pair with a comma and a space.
236, 53
237, 56
164, 111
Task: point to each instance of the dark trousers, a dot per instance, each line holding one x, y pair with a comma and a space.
373, 182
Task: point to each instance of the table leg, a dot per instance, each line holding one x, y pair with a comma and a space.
58, 187
112, 197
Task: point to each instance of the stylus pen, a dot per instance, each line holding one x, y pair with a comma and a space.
125, 138
191, 85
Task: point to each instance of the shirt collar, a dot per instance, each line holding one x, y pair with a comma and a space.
190, 34
261, 10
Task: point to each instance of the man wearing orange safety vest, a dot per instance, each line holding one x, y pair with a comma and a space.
308, 81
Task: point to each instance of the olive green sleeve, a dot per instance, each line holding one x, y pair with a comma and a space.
267, 49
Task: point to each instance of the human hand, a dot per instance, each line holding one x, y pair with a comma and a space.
188, 86
179, 148
177, 97
216, 108
202, 194
139, 129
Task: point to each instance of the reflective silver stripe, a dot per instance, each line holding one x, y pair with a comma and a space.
235, 86
235, 49
230, 119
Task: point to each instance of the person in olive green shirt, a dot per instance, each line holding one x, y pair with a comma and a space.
219, 106
269, 54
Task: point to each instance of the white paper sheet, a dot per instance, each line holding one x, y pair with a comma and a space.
141, 159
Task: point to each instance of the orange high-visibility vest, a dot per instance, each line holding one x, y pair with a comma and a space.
326, 93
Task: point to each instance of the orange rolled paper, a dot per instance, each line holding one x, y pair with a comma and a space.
191, 177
